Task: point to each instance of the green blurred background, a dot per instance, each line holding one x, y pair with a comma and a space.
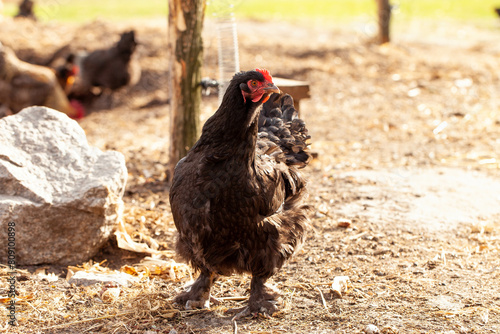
290, 10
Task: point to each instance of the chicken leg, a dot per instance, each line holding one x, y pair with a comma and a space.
261, 300
198, 294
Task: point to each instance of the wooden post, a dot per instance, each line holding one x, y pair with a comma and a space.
185, 20
384, 19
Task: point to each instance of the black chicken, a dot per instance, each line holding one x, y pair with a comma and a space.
236, 196
26, 10
111, 68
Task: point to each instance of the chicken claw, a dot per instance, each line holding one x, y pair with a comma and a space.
194, 304
198, 294
261, 302
265, 311
243, 312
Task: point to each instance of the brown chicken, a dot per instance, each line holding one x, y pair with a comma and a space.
23, 85
236, 197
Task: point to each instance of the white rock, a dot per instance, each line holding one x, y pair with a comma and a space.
371, 329
64, 196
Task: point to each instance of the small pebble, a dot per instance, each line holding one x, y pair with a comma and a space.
372, 329
344, 223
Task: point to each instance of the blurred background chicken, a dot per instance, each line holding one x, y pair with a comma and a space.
26, 9
23, 85
100, 70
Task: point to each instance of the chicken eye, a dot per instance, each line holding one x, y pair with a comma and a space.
253, 83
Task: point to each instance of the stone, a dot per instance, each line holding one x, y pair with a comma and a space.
63, 196
371, 329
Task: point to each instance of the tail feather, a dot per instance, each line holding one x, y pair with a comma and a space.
279, 124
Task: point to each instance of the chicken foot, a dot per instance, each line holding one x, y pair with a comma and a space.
261, 300
198, 294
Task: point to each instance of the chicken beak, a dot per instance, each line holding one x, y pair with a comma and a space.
271, 88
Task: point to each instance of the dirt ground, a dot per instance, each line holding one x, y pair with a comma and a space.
405, 187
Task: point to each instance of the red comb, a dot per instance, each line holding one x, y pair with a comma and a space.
265, 73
